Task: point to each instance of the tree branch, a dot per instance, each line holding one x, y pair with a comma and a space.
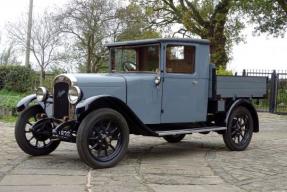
196, 15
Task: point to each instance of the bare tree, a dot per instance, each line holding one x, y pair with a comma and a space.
8, 56
45, 41
90, 22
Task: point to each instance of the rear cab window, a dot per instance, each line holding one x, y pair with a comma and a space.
180, 59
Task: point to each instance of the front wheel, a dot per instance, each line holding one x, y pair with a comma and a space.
32, 135
239, 129
103, 138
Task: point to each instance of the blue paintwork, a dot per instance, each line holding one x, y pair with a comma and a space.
185, 96
138, 91
175, 99
144, 97
179, 98
101, 84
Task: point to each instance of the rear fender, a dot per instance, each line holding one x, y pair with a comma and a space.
245, 103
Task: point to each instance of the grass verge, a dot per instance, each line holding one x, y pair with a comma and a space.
8, 119
9, 100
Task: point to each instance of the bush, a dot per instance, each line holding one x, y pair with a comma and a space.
222, 71
17, 78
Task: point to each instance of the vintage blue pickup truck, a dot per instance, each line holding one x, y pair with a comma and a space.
160, 87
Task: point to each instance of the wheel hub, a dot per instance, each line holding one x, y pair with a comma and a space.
42, 132
104, 140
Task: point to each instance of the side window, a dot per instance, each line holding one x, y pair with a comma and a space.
180, 59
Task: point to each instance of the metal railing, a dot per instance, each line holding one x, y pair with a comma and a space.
276, 101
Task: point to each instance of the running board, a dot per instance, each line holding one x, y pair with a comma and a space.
187, 131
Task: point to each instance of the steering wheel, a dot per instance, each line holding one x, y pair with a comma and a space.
129, 66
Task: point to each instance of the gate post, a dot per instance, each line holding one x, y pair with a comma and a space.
244, 72
273, 92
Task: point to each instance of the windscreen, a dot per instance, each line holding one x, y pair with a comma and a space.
135, 58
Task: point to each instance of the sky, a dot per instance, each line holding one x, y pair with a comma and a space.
259, 52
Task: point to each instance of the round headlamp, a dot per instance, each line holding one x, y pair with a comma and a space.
41, 94
74, 95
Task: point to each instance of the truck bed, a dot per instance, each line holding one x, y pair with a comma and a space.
241, 86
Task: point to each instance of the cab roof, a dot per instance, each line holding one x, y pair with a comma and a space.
161, 40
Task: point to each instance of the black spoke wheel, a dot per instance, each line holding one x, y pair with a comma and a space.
33, 135
239, 129
174, 138
103, 138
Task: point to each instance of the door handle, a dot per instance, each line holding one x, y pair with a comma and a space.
194, 82
157, 80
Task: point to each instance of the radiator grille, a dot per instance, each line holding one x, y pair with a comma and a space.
61, 102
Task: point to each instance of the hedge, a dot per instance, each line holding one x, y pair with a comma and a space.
17, 78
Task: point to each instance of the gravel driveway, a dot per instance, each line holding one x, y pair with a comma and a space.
198, 163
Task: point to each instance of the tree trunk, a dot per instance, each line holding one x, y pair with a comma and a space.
218, 45
95, 68
218, 53
42, 76
89, 61
283, 4
89, 56
96, 62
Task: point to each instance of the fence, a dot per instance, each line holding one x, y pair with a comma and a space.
276, 101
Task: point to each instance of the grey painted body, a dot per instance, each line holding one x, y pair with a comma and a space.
101, 84
238, 87
179, 98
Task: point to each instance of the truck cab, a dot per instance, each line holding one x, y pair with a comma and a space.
159, 87
167, 80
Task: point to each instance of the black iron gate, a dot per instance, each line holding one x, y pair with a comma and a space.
276, 101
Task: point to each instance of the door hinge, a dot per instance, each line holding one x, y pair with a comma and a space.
162, 111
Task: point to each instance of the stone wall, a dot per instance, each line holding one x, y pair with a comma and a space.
7, 111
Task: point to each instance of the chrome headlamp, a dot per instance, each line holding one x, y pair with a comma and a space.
74, 95
42, 94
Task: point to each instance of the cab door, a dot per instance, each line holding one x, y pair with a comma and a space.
185, 91
141, 65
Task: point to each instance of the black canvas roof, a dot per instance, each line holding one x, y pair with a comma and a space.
154, 41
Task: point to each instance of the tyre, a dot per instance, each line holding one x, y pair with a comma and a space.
239, 131
32, 137
103, 138
174, 138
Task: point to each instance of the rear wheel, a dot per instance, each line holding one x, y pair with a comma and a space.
33, 135
239, 129
103, 138
174, 138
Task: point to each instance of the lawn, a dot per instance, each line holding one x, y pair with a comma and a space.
9, 100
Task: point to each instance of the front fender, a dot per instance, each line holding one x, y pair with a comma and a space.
24, 103
106, 101
245, 103
86, 104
